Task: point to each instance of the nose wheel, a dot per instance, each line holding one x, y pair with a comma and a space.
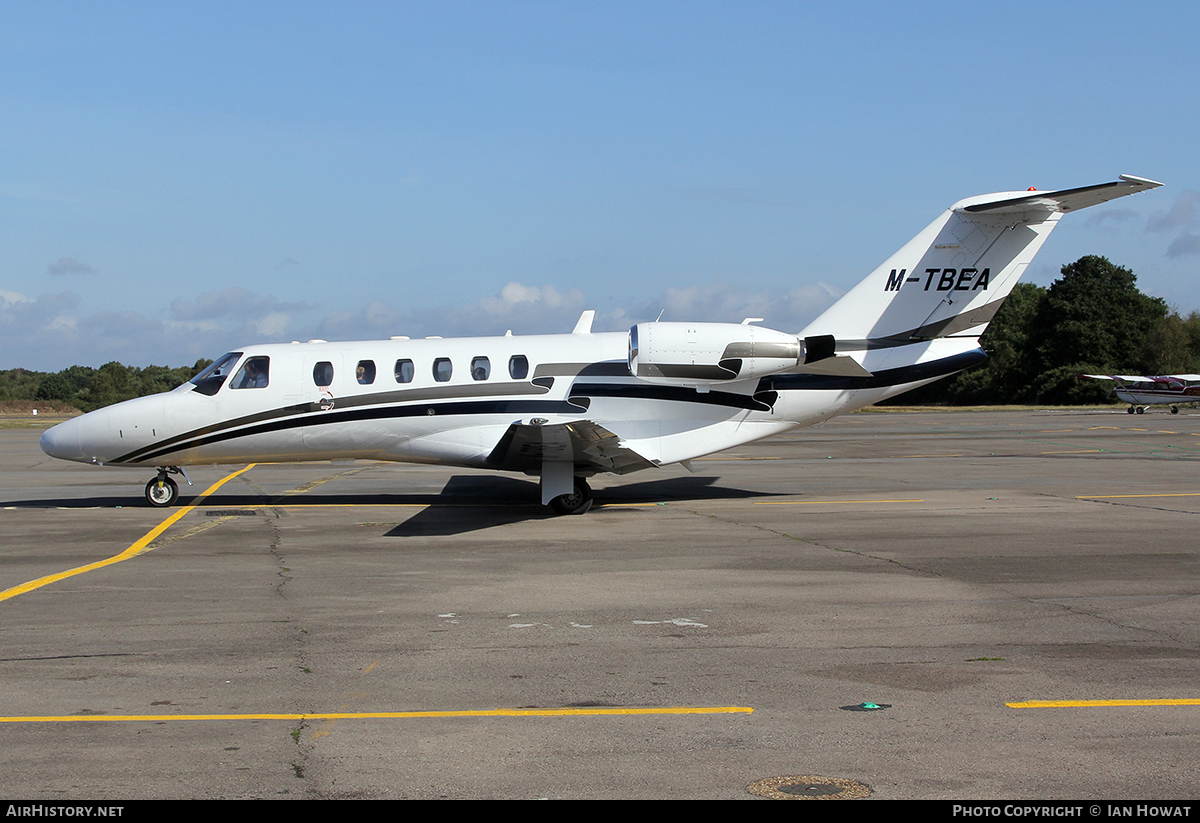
162, 491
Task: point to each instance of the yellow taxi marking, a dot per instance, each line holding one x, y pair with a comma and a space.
140, 547
1071, 704
819, 502
567, 712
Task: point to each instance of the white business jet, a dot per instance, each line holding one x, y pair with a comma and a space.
565, 407
1142, 392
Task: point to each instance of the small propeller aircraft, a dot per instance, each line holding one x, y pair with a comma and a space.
568, 406
1143, 392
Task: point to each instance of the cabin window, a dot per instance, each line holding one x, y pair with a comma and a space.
253, 374
323, 374
518, 367
404, 371
481, 368
211, 379
442, 369
365, 373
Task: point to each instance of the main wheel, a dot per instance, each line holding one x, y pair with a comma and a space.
162, 492
577, 502
1129, 410
1174, 410
1141, 409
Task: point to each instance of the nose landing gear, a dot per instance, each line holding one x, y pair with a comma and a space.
162, 490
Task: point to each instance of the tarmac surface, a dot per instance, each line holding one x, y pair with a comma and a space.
297, 632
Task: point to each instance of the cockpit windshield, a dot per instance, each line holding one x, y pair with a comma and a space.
211, 379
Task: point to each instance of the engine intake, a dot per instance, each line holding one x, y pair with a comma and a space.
705, 354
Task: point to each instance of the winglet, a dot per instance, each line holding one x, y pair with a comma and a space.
584, 326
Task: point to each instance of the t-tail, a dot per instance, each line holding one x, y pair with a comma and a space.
921, 313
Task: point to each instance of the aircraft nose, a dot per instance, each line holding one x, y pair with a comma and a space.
62, 441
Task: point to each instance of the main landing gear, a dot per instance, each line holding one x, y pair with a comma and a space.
577, 502
162, 490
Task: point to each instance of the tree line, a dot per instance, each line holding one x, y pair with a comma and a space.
86, 388
1093, 319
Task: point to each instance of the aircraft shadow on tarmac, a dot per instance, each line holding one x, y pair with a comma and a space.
466, 503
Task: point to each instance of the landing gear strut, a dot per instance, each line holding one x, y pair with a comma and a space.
577, 502
162, 490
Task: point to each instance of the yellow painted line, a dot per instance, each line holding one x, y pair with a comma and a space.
819, 502
133, 551
1076, 451
931, 455
1072, 704
1114, 496
569, 712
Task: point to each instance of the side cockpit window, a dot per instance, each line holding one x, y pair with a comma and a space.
254, 374
211, 379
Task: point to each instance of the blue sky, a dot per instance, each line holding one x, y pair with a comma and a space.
180, 179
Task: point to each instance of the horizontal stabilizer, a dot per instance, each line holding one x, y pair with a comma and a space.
1064, 200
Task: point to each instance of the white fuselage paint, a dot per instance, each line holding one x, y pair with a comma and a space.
457, 422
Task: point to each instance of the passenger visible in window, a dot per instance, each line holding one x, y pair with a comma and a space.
481, 368
365, 373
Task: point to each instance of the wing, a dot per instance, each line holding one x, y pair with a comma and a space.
526, 446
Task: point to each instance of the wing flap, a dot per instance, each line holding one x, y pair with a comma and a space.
526, 446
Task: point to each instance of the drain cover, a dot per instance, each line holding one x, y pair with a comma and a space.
808, 787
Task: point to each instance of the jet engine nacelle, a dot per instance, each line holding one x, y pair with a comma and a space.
705, 354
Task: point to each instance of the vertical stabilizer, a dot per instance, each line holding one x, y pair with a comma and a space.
950, 279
